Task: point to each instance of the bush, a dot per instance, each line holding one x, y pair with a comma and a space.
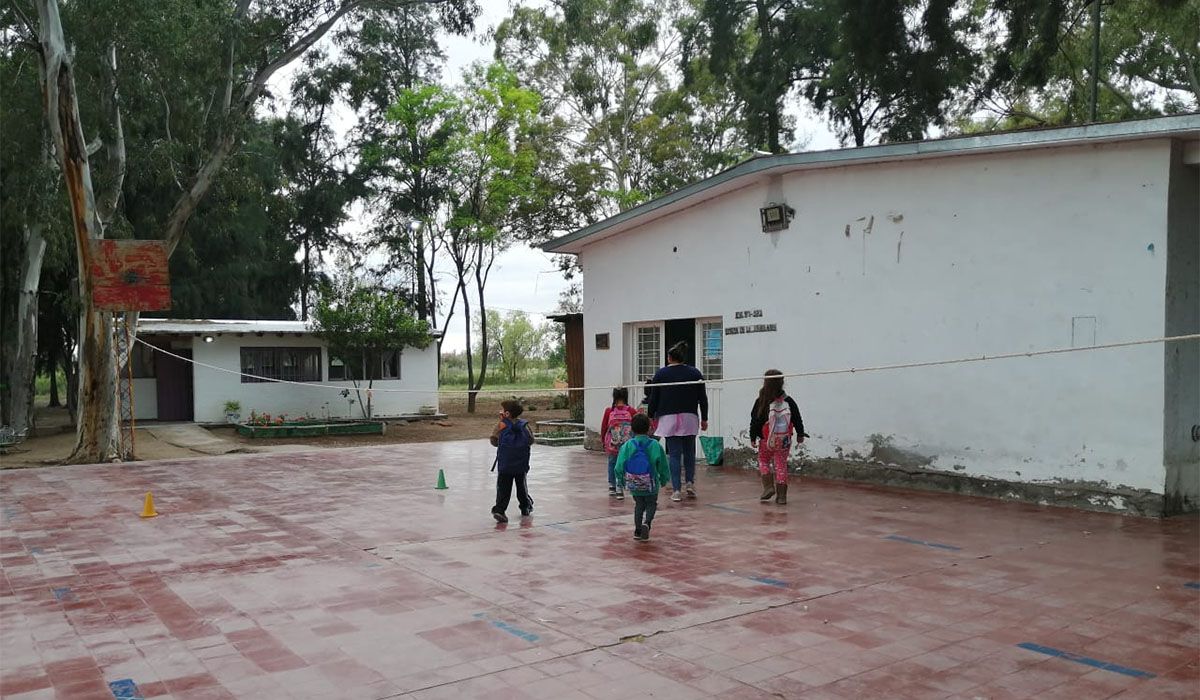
560, 402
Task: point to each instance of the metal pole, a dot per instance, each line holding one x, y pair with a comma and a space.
1095, 59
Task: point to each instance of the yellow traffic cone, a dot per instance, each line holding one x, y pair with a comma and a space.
148, 506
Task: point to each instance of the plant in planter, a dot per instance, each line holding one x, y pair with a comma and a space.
233, 411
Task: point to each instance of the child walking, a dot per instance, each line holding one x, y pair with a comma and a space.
512, 440
773, 419
642, 466
615, 431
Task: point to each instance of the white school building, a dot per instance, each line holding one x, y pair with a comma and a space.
954, 248
189, 384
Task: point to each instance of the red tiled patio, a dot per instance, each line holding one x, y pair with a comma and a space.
344, 574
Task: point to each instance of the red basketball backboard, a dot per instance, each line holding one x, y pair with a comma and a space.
130, 275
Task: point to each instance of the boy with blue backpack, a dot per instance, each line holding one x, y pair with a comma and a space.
512, 439
642, 468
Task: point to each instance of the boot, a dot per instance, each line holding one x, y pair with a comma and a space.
781, 494
768, 482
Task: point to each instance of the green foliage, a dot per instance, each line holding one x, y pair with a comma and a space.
516, 342
360, 323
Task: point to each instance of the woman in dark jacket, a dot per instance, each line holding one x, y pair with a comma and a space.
674, 408
773, 419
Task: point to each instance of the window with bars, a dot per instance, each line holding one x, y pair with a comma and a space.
389, 367
712, 349
647, 351
289, 364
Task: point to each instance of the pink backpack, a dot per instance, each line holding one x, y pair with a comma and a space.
620, 429
778, 429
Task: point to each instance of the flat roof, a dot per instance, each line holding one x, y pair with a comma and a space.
1185, 125
197, 326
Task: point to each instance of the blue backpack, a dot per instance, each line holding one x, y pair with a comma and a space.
638, 474
512, 450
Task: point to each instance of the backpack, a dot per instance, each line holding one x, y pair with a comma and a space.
512, 448
777, 431
620, 429
638, 474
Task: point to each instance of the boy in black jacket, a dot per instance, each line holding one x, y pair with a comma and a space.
512, 440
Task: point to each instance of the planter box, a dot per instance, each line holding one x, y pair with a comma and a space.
294, 430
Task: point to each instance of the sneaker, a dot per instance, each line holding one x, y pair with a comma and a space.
525, 512
612, 490
690, 488
637, 532
500, 517
645, 532
620, 495
677, 496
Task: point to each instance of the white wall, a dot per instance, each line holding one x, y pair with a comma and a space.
967, 256
145, 399
213, 388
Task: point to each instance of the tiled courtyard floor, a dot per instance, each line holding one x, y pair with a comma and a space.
344, 574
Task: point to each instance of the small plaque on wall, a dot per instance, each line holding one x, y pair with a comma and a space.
601, 341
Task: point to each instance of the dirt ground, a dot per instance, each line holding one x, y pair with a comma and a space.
55, 438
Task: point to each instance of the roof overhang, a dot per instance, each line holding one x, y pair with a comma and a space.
749, 172
218, 327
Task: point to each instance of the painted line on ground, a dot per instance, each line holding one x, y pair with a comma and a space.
1086, 661
506, 627
766, 580
559, 526
1192, 584
64, 594
125, 689
910, 540
728, 508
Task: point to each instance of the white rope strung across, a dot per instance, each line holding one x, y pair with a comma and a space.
730, 380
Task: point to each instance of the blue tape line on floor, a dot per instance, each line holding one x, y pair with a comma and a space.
728, 508
1086, 661
770, 581
63, 594
1192, 584
125, 689
506, 627
559, 526
910, 540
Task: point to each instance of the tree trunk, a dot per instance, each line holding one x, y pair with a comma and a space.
22, 360
480, 281
422, 304
97, 428
52, 365
470, 364
304, 282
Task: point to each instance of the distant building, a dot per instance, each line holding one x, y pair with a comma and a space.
171, 389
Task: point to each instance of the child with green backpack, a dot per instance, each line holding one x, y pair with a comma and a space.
642, 467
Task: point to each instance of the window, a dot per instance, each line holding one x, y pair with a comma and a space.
390, 365
337, 369
601, 341
142, 358
712, 349
289, 364
647, 352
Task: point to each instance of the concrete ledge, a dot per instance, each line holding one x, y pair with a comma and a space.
1081, 495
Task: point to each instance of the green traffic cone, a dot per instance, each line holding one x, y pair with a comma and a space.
441, 485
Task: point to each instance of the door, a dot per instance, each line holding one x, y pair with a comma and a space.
680, 329
174, 385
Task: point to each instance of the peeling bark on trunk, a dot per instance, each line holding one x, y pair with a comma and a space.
97, 427
20, 361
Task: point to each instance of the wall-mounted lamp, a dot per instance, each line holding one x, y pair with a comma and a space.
208, 338
776, 217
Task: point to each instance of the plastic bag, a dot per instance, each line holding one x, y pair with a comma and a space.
714, 449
